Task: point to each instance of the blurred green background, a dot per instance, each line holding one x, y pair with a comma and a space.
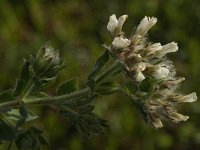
78, 28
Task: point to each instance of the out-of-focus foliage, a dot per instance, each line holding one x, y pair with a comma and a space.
78, 28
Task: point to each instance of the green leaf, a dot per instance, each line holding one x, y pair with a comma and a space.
86, 109
101, 61
23, 80
7, 133
130, 87
43, 140
89, 124
21, 84
37, 131
68, 87
41, 83
23, 111
6, 95
27, 141
15, 115
106, 88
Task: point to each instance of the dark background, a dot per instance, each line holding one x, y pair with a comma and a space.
78, 28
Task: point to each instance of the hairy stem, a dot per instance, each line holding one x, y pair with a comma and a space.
77, 98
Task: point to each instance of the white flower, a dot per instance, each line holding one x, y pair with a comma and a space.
121, 21
120, 42
176, 117
158, 71
139, 76
114, 25
172, 83
187, 98
141, 66
168, 48
151, 49
157, 123
135, 57
145, 25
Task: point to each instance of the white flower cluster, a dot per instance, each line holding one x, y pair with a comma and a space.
145, 59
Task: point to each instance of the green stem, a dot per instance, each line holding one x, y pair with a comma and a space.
75, 98
109, 72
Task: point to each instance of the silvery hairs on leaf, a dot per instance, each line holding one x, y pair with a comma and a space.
146, 63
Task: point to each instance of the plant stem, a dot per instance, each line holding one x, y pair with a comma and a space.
75, 98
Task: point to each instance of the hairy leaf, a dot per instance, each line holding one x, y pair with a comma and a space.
68, 86
23, 80
6, 95
102, 60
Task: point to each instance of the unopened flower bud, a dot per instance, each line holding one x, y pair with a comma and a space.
146, 24
47, 62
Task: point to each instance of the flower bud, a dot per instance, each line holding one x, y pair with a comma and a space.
120, 42
47, 62
146, 24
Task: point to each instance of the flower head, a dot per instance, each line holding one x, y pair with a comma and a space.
154, 74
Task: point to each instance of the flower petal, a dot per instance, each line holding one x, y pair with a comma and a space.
120, 42
145, 25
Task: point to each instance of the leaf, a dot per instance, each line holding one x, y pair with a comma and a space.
23, 80
130, 87
89, 124
68, 87
23, 111
43, 140
86, 109
37, 131
30, 139
101, 61
41, 83
7, 133
21, 84
106, 88
6, 95
15, 115
24, 114
27, 140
